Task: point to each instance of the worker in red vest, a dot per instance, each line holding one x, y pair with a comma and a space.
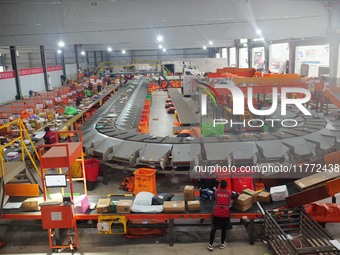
221, 214
50, 136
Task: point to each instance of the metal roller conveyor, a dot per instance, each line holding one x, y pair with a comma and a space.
93, 140
273, 150
130, 115
155, 154
128, 152
300, 148
332, 133
218, 152
244, 152
324, 144
106, 148
184, 154
138, 137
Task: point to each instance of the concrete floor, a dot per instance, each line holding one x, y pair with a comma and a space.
160, 123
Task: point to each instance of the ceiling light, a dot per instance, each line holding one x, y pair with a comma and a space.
123, 51
61, 44
204, 47
59, 51
83, 53
211, 42
109, 49
160, 46
164, 50
245, 45
159, 38
258, 32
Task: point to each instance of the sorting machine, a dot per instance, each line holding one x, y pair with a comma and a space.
111, 134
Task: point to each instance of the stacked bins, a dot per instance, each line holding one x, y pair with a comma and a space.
143, 126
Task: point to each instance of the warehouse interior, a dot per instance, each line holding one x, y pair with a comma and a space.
121, 120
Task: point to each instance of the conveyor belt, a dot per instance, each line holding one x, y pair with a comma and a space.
269, 147
185, 114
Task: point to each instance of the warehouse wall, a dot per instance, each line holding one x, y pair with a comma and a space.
8, 90
33, 82
55, 78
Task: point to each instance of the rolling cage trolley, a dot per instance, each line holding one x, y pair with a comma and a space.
294, 232
58, 217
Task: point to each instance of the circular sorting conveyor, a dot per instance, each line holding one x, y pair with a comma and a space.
111, 134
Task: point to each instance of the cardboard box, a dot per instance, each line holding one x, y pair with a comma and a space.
103, 205
264, 197
124, 206
243, 203
188, 193
174, 206
252, 193
194, 206
32, 204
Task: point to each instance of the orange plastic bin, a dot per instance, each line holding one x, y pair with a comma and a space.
145, 180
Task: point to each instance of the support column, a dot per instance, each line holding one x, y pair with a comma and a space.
102, 56
250, 53
43, 64
62, 58
3, 61
237, 54
95, 59
55, 58
228, 56
133, 57
29, 59
15, 68
87, 58
292, 50
76, 56
266, 54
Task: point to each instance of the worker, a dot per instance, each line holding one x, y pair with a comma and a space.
221, 214
24, 113
50, 136
184, 133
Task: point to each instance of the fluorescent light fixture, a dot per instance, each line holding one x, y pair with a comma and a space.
109, 49
61, 44
258, 32
83, 53
160, 46
211, 42
59, 51
123, 51
164, 50
204, 47
159, 38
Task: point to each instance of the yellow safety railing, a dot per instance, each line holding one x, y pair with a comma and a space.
23, 135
